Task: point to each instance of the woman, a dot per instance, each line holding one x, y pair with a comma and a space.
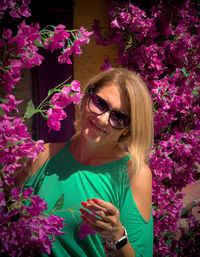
104, 167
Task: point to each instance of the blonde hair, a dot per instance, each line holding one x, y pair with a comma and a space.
139, 141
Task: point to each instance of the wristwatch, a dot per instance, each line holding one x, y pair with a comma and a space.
118, 243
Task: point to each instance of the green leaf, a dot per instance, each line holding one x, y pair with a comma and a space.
172, 75
59, 203
38, 44
30, 110
184, 72
169, 242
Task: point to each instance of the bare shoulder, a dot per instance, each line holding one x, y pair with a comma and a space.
141, 187
50, 149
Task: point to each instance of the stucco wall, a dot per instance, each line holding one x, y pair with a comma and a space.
88, 64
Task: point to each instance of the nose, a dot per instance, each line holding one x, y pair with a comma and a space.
104, 117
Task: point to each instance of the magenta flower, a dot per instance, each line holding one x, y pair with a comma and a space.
64, 57
76, 98
9, 104
2, 199
55, 115
15, 193
75, 85
84, 231
114, 24
60, 100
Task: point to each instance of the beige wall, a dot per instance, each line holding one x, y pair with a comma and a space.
88, 64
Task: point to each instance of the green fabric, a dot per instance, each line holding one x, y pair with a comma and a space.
79, 182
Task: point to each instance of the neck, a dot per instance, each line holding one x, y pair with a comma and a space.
91, 153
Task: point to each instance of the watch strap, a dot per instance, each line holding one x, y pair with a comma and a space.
118, 243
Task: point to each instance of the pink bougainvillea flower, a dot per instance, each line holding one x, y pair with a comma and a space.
66, 90
60, 100
7, 33
21, 10
114, 24
76, 47
84, 231
64, 57
55, 115
57, 38
61, 32
75, 85
9, 104
83, 35
15, 193
2, 199
76, 98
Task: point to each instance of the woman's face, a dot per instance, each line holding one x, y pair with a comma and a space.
96, 128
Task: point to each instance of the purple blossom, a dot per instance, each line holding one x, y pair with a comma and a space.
84, 231
55, 115
2, 199
10, 104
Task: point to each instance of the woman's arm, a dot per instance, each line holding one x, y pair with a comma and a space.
141, 188
110, 227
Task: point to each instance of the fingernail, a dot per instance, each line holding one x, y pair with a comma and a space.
84, 204
95, 200
89, 200
83, 217
82, 210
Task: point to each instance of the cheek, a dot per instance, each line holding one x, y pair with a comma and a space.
84, 114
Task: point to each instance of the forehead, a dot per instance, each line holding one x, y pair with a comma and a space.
114, 96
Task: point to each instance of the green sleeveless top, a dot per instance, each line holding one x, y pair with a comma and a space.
63, 174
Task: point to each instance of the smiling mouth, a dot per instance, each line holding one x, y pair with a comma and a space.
97, 128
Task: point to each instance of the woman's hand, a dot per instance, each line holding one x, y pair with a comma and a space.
104, 219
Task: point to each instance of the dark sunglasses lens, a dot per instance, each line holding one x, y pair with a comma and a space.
119, 120
97, 104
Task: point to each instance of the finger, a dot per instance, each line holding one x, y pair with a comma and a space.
102, 213
100, 228
109, 207
98, 210
90, 224
92, 206
89, 216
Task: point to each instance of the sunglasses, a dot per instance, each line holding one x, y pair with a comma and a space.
98, 106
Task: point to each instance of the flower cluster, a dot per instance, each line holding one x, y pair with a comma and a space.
18, 8
25, 225
16, 218
69, 94
15, 142
189, 240
162, 45
20, 51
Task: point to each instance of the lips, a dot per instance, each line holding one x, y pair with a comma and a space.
96, 127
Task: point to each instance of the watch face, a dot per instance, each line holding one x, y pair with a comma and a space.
121, 243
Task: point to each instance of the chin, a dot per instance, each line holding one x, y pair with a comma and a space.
91, 136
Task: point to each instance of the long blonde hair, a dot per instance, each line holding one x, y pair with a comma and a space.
139, 141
